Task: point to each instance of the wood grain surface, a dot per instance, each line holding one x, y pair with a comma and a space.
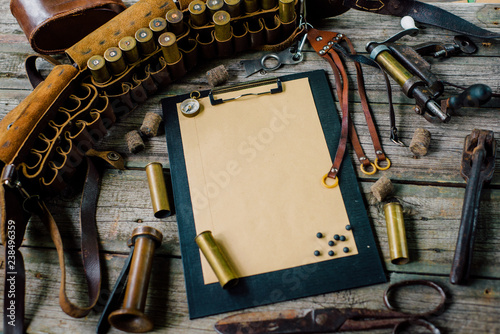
430, 189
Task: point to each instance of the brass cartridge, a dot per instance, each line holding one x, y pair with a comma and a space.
128, 45
145, 40
397, 71
396, 234
98, 69
217, 260
251, 6
222, 25
175, 21
158, 26
114, 60
233, 7
286, 10
197, 12
168, 43
214, 6
158, 190
267, 4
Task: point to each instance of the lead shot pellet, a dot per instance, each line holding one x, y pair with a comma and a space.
145, 40
128, 46
168, 43
98, 69
342, 238
317, 253
331, 243
222, 25
331, 253
114, 60
175, 21
346, 249
197, 13
319, 235
336, 237
348, 227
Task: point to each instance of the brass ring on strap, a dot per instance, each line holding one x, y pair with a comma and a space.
195, 95
383, 168
329, 186
374, 166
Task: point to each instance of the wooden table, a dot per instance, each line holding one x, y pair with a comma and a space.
430, 188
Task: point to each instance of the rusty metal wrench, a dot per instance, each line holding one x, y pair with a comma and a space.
478, 166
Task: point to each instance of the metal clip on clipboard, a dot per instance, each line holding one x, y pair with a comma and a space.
242, 86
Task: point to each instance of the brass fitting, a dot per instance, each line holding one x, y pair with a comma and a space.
396, 234
158, 190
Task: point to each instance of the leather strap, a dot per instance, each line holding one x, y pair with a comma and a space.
34, 76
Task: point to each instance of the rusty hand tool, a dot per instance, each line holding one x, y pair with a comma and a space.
332, 320
478, 166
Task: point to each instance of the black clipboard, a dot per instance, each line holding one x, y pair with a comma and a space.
362, 269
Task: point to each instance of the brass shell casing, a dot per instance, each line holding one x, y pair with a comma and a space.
267, 4
214, 6
168, 43
287, 10
145, 40
98, 69
233, 7
114, 60
222, 25
175, 21
158, 26
197, 13
128, 45
251, 6
397, 71
396, 234
158, 190
217, 260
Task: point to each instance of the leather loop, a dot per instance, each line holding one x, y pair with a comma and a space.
34, 76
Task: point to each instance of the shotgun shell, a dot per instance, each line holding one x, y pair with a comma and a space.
267, 4
158, 26
396, 234
233, 7
158, 190
214, 6
175, 21
217, 260
286, 10
114, 60
128, 45
145, 40
197, 13
169, 47
222, 25
98, 69
251, 6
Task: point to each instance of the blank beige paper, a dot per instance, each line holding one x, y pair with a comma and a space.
254, 167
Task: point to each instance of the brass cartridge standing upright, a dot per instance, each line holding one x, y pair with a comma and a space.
214, 6
217, 260
158, 190
168, 43
233, 7
222, 25
114, 60
145, 40
128, 45
197, 13
396, 234
251, 6
286, 10
131, 317
175, 21
158, 26
98, 69
267, 4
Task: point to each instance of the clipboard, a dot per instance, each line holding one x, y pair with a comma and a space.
250, 171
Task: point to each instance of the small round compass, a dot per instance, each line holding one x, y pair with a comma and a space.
191, 107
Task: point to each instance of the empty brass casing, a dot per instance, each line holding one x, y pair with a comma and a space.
218, 262
131, 317
98, 69
114, 60
267, 4
169, 47
214, 6
287, 10
197, 12
233, 7
398, 246
175, 21
251, 6
145, 40
158, 26
158, 190
397, 71
222, 25
128, 45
